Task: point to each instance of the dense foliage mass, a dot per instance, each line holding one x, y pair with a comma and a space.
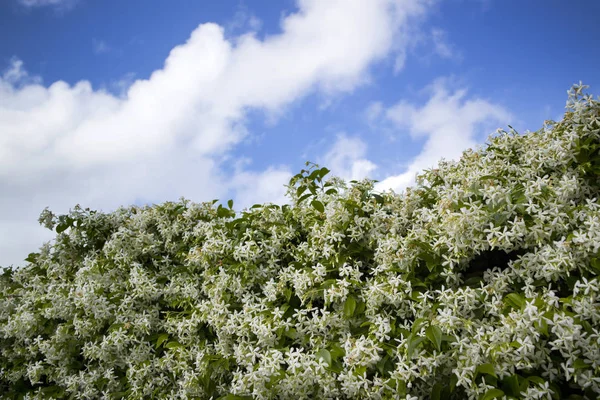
479, 282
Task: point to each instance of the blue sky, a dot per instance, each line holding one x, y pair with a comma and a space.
109, 103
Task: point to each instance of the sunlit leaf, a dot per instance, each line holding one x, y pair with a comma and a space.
324, 355
434, 334
349, 306
492, 394
486, 369
318, 205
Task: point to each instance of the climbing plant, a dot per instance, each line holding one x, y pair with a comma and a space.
479, 282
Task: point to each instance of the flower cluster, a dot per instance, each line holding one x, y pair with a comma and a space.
480, 281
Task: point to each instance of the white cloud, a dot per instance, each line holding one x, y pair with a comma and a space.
121, 86
15, 74
100, 46
373, 112
243, 19
441, 45
424, 45
449, 121
400, 61
411, 37
37, 3
168, 135
346, 158
261, 187
42, 3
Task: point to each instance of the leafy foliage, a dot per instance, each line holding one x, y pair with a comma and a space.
481, 282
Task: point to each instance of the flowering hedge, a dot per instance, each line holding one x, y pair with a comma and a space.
480, 282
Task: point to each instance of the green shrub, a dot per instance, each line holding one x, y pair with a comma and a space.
479, 282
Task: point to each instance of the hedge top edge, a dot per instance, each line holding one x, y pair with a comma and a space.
480, 282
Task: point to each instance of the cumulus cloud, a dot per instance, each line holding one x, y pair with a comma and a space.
441, 45
42, 3
261, 187
424, 46
450, 123
373, 112
100, 46
243, 19
347, 158
37, 3
16, 75
167, 135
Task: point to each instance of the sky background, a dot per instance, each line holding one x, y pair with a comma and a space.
108, 103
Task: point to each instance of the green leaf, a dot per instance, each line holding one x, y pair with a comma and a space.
493, 177
426, 247
492, 394
60, 228
287, 292
579, 363
318, 205
413, 343
115, 327
486, 369
473, 281
234, 397
306, 196
366, 323
360, 308
328, 283
436, 392
313, 175
515, 300
595, 264
53, 391
300, 190
379, 199
291, 333
543, 328
512, 384
222, 211
230, 204
161, 338
331, 191
453, 382
500, 218
434, 334
324, 355
349, 306
515, 344
173, 345
430, 260
448, 338
517, 194
337, 351
32, 257
536, 379
384, 365
557, 395
418, 324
